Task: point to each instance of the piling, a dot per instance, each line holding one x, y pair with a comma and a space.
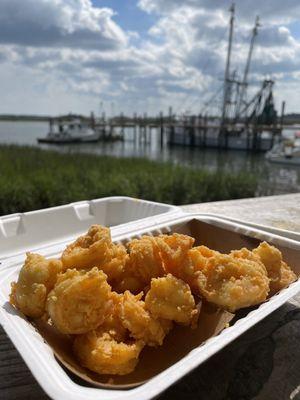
205, 130
161, 121
122, 133
191, 131
282, 114
134, 127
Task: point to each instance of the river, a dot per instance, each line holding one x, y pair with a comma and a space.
273, 178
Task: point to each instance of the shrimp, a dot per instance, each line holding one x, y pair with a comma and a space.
279, 272
233, 283
101, 353
37, 277
144, 262
171, 298
194, 260
173, 250
140, 323
114, 262
80, 301
89, 250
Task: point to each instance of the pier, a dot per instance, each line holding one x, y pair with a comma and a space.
195, 131
192, 131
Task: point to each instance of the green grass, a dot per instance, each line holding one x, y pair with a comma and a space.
31, 178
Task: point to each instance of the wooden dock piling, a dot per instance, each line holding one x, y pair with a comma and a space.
134, 127
198, 131
161, 128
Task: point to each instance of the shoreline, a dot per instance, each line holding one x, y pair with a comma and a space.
25, 118
32, 178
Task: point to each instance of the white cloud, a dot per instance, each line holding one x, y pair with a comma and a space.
196, 32
75, 51
273, 10
59, 23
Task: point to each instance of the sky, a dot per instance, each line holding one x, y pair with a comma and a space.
59, 56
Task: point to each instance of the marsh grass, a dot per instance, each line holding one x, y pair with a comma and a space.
31, 178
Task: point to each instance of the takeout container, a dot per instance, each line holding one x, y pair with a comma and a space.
35, 229
215, 232
277, 231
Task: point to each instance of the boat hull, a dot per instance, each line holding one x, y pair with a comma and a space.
68, 141
284, 160
211, 139
233, 143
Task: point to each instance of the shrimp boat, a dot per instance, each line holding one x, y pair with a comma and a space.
237, 137
73, 130
286, 151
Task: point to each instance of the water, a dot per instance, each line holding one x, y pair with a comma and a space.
273, 178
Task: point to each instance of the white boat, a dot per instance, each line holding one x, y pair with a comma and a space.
286, 151
70, 131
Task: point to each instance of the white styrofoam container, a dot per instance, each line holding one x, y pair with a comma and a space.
212, 231
35, 229
277, 231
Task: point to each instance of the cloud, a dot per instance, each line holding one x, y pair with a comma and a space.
75, 50
196, 34
59, 23
275, 10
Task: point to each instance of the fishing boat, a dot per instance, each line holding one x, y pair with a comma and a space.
186, 134
286, 151
242, 123
70, 131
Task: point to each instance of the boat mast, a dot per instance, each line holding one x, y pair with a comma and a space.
226, 99
244, 83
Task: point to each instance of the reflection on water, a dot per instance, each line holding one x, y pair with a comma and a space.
273, 178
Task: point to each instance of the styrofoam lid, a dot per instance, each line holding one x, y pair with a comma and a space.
27, 231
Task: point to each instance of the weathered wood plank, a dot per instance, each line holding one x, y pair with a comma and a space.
16, 381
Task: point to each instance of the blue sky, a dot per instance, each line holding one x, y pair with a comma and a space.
295, 29
129, 15
140, 55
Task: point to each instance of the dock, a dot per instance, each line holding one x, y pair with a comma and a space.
196, 131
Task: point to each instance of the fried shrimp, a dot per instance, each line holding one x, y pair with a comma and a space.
101, 353
152, 257
88, 250
145, 261
199, 256
37, 277
233, 283
80, 301
279, 272
114, 262
171, 298
195, 260
173, 250
246, 254
140, 323
112, 323
128, 282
